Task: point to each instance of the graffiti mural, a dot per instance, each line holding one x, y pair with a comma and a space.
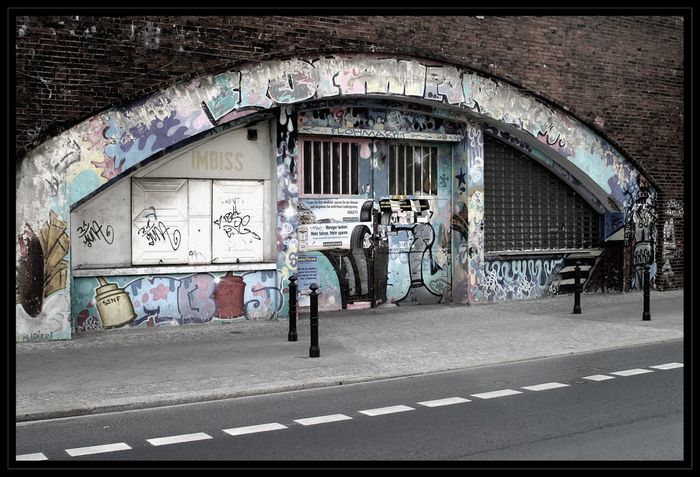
102, 149
418, 269
115, 302
287, 197
671, 249
474, 254
640, 231
385, 249
520, 279
371, 122
42, 277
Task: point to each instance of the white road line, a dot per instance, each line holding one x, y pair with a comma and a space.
545, 386
237, 431
37, 456
97, 449
311, 421
668, 366
385, 410
496, 394
598, 377
162, 441
632, 372
444, 402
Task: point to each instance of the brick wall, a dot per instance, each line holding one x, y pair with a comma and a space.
621, 75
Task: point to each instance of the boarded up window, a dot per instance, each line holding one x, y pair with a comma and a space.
527, 207
159, 221
196, 221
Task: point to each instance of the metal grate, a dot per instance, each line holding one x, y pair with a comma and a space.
330, 167
412, 170
528, 208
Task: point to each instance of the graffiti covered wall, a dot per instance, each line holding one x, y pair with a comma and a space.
672, 248
384, 247
42, 282
150, 301
77, 162
287, 198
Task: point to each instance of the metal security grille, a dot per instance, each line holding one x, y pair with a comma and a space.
528, 208
330, 167
412, 170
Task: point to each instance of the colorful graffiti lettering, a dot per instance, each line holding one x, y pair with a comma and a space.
168, 300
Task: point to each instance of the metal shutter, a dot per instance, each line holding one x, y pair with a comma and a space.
528, 208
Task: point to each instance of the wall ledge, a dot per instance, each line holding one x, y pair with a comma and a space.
174, 269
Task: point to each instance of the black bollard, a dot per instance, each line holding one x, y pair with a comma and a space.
577, 288
292, 336
646, 316
314, 350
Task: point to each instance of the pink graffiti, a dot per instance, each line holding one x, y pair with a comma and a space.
109, 168
195, 298
159, 292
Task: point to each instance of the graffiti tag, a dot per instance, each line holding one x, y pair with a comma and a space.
93, 232
235, 223
157, 232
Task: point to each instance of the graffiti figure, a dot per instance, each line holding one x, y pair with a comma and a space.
423, 238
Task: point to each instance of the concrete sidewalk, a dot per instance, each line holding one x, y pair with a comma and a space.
137, 368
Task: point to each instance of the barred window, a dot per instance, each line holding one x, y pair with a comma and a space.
527, 207
412, 170
330, 167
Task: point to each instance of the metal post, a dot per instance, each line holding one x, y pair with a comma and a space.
577, 288
646, 316
292, 336
314, 350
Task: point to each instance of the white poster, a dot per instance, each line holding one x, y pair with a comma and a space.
335, 236
336, 210
307, 273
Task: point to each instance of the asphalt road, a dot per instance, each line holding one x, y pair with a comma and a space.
571, 408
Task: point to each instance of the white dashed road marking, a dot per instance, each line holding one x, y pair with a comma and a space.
237, 431
310, 421
668, 366
545, 386
162, 441
97, 449
496, 394
598, 377
444, 402
632, 372
386, 410
37, 456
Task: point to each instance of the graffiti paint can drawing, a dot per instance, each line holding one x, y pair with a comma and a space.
229, 296
113, 304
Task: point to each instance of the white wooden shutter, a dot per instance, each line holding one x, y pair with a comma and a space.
237, 221
159, 219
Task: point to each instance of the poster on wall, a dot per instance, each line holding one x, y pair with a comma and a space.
334, 236
336, 210
307, 272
